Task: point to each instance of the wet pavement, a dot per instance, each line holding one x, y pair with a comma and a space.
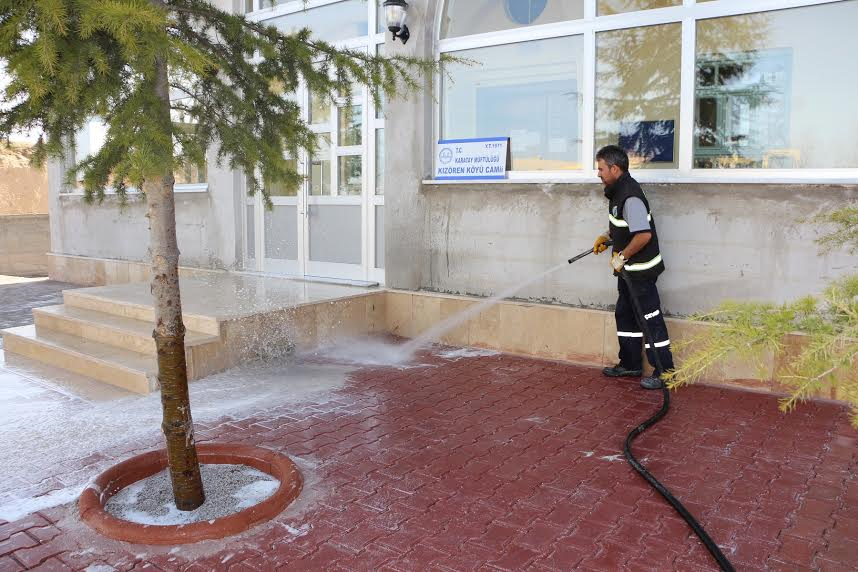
469, 461
18, 297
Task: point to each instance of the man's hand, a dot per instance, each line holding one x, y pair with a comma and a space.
618, 261
599, 246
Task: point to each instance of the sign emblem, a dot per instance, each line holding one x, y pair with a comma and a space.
445, 156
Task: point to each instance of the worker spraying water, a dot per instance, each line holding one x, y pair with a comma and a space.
632, 230
637, 263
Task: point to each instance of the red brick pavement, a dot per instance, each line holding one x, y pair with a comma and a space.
506, 463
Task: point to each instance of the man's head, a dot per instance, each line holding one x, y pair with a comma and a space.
612, 162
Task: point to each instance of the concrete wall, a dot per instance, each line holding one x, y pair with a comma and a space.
205, 223
719, 242
24, 245
408, 150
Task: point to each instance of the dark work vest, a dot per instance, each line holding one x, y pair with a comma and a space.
646, 264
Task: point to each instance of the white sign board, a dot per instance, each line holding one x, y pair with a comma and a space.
472, 159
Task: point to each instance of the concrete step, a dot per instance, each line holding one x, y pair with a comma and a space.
135, 310
118, 331
123, 368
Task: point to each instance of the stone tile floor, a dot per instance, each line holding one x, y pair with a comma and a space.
18, 297
500, 463
469, 461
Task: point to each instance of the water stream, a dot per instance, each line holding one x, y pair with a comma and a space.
378, 352
409, 348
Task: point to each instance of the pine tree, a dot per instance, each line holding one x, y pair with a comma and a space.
121, 61
753, 331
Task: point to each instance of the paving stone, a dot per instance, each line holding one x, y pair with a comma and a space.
493, 463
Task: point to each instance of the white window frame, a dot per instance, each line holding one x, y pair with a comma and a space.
687, 16
368, 199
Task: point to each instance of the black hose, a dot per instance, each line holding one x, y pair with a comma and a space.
716, 553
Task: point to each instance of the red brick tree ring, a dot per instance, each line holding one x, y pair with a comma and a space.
110, 482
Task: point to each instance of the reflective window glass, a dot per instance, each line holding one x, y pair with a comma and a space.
351, 175
250, 237
186, 172
280, 189
772, 90
320, 109
637, 93
320, 167
350, 125
464, 17
607, 7
530, 92
331, 22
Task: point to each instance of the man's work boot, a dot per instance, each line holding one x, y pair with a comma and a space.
652, 382
620, 371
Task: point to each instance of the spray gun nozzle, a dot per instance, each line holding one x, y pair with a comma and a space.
588, 252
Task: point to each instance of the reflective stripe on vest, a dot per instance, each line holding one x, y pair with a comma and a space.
643, 265
623, 224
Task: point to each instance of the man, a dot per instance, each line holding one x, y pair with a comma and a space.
631, 228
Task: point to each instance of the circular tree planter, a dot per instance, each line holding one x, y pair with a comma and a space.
107, 484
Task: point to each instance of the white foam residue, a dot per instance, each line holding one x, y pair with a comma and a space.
462, 353
65, 428
226, 558
302, 530
612, 458
587, 454
20, 508
254, 493
99, 568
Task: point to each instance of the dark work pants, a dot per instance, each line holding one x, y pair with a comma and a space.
629, 332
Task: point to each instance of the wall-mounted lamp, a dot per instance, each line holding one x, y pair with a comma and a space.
395, 13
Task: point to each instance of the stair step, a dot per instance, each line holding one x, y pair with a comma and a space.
118, 331
134, 310
123, 368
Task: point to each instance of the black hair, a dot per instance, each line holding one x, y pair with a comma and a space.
614, 155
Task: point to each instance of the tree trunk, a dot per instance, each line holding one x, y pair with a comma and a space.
169, 331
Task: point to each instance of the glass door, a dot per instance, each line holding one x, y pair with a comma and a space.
333, 226
335, 187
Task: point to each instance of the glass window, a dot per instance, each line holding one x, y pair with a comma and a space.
89, 140
381, 23
320, 167
280, 189
379, 161
772, 90
351, 176
530, 92
607, 7
187, 172
250, 237
464, 17
379, 109
249, 6
332, 22
350, 125
320, 109
637, 93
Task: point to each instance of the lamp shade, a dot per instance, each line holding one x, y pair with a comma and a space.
395, 13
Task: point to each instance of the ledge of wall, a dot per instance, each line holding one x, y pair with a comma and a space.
24, 244
564, 333
88, 271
